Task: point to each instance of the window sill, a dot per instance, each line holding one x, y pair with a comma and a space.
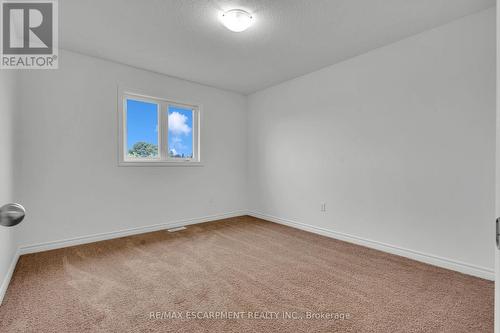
159, 164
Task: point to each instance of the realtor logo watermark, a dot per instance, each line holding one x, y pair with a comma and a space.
29, 34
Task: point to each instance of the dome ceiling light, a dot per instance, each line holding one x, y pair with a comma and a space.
237, 20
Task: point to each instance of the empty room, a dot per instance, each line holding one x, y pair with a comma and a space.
249, 166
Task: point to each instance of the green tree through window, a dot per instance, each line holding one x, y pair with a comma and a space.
143, 150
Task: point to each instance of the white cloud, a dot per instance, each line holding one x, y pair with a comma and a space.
176, 143
173, 151
177, 123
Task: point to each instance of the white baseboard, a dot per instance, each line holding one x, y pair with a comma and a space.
461, 267
8, 276
123, 233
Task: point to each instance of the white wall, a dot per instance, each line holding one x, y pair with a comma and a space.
68, 176
399, 143
8, 245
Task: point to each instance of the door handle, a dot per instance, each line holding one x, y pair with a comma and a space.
498, 232
11, 214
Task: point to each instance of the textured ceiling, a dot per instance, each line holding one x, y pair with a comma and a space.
183, 38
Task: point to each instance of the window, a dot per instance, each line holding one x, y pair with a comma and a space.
155, 131
180, 132
142, 130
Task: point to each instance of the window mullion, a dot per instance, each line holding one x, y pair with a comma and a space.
196, 133
124, 126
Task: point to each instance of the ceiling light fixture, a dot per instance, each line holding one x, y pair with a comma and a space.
236, 20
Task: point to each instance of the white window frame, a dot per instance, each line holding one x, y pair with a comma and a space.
163, 106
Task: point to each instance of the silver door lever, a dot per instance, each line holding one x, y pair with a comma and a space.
11, 214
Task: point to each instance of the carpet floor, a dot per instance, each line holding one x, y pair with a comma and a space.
239, 275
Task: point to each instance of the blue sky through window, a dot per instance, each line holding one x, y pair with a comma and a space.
180, 132
142, 123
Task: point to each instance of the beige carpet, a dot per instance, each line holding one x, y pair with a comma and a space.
237, 267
